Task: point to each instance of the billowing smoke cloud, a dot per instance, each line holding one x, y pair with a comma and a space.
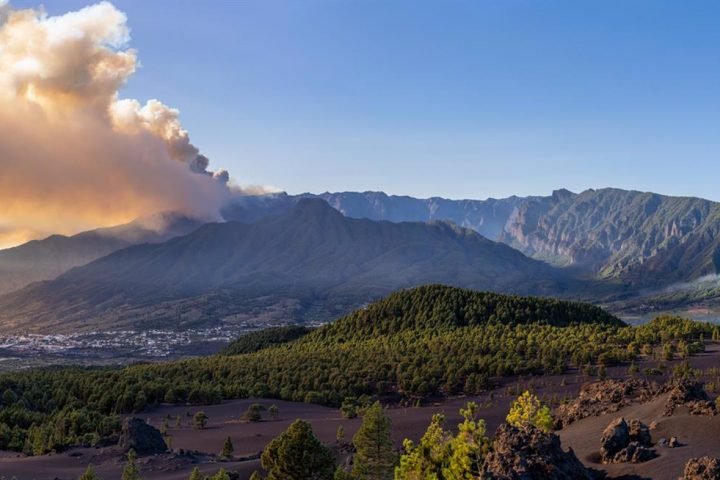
73, 155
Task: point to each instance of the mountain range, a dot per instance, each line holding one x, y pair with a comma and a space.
287, 257
307, 264
47, 258
638, 237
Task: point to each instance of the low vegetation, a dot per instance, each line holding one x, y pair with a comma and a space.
423, 342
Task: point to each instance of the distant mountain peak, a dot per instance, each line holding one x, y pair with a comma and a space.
315, 207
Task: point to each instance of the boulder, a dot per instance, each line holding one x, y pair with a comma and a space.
622, 442
703, 468
615, 437
531, 454
143, 438
639, 432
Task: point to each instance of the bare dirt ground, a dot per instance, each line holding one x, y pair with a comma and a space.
700, 435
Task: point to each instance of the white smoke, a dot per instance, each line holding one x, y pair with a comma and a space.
706, 281
74, 155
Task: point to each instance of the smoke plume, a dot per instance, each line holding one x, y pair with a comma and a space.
73, 155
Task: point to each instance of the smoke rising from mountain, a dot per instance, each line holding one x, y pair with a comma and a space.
711, 280
73, 155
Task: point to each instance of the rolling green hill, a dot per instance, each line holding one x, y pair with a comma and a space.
427, 341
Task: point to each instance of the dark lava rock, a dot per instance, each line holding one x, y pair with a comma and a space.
143, 438
703, 468
689, 394
607, 396
622, 443
639, 432
531, 454
615, 437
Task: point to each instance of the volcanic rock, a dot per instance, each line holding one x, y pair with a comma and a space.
622, 443
143, 438
703, 468
531, 454
607, 396
689, 394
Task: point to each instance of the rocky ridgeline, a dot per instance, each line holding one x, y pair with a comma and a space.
531, 454
703, 468
626, 442
607, 396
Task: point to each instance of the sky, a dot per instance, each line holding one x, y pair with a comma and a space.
460, 99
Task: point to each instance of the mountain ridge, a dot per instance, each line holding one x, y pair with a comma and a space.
294, 258
46, 258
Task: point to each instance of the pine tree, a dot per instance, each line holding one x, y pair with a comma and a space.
274, 412
468, 448
196, 475
426, 459
527, 411
228, 449
200, 420
342, 474
375, 459
220, 475
131, 472
298, 455
89, 474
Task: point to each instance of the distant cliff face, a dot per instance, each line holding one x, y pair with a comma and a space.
487, 217
639, 237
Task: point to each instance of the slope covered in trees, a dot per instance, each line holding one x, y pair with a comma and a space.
437, 306
426, 341
268, 337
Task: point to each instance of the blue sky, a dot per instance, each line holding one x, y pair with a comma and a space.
462, 99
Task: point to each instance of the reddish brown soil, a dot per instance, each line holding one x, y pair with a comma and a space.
700, 434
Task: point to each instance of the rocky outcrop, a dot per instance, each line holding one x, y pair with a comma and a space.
599, 398
531, 454
690, 394
622, 442
143, 438
703, 468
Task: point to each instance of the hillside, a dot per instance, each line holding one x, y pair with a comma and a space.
437, 307
309, 263
47, 258
462, 342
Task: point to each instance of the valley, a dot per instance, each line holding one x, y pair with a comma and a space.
410, 240
112, 348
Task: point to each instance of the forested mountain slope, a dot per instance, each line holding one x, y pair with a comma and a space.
433, 340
